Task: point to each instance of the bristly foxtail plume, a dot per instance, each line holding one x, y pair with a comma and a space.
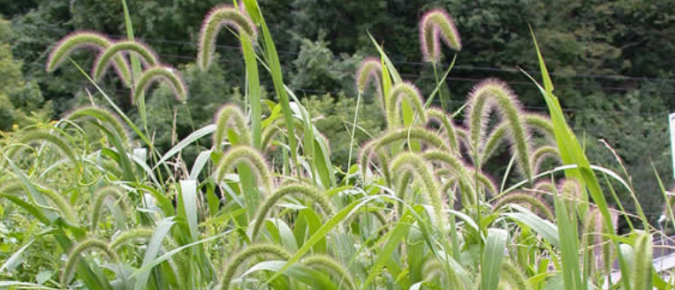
74, 257
296, 190
106, 192
534, 122
86, 39
230, 117
39, 135
393, 106
514, 277
427, 137
542, 154
415, 164
245, 155
223, 15
330, 265
525, 199
642, 266
495, 94
101, 115
247, 253
369, 72
147, 56
438, 115
164, 74
571, 192
277, 126
437, 25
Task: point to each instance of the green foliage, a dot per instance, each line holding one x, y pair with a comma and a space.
333, 119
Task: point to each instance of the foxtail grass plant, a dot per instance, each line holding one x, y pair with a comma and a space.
264, 207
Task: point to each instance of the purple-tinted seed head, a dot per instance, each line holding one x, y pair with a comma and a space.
369, 71
437, 25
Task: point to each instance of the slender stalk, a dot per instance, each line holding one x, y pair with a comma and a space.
351, 141
440, 89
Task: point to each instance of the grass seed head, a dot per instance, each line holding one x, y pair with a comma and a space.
437, 25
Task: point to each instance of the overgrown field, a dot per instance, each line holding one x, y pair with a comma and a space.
87, 201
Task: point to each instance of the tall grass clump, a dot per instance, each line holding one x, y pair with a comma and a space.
264, 207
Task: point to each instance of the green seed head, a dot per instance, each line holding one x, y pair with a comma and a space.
437, 25
130, 236
43, 136
494, 94
369, 72
147, 56
435, 114
223, 15
415, 164
296, 190
399, 92
107, 192
230, 117
542, 154
247, 253
375, 146
642, 266
327, 263
249, 156
272, 130
110, 119
525, 199
514, 277
85, 39
163, 74
75, 255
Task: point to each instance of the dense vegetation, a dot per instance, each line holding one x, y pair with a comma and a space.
609, 59
335, 172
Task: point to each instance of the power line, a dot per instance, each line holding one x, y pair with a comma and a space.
416, 63
458, 102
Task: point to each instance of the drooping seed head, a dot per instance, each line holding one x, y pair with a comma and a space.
369, 72
72, 42
247, 253
542, 154
328, 263
514, 277
147, 56
223, 15
86, 39
432, 268
526, 199
500, 133
427, 137
398, 93
493, 94
163, 74
296, 190
437, 25
415, 164
74, 257
43, 136
230, 117
249, 156
540, 123
111, 119
102, 194
435, 114
276, 127
130, 236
